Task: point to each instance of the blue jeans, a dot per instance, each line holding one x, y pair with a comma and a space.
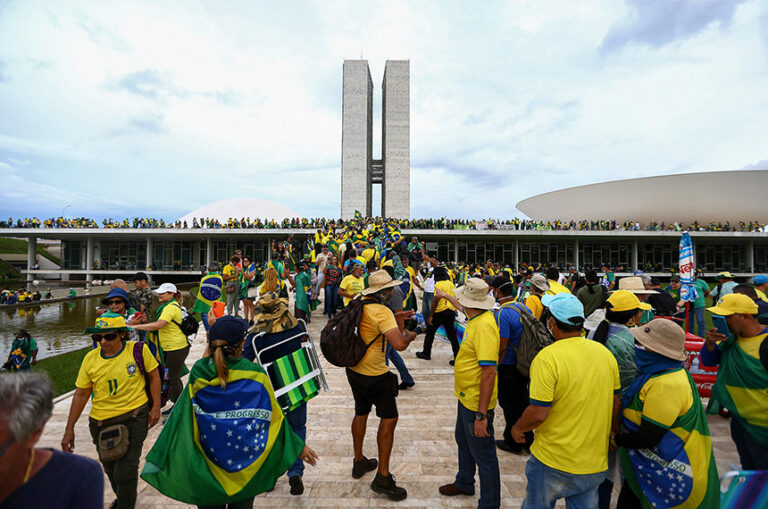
426, 303
297, 418
331, 300
394, 356
546, 485
477, 451
697, 317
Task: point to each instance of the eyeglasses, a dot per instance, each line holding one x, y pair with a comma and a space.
109, 337
116, 301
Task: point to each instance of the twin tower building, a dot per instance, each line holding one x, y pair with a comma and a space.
359, 170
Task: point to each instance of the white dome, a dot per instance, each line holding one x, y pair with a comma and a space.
236, 208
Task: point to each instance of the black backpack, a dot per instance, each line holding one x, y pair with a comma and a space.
340, 339
189, 325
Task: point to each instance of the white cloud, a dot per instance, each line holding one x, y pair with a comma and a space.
197, 101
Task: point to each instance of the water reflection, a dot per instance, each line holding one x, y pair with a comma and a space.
57, 327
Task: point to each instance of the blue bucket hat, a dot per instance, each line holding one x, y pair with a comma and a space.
760, 279
565, 307
117, 292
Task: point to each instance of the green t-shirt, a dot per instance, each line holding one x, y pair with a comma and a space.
21, 353
701, 288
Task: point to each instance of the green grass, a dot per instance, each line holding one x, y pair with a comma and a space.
20, 246
62, 369
5, 269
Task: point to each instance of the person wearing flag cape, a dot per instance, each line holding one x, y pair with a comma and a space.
742, 376
227, 439
210, 291
665, 446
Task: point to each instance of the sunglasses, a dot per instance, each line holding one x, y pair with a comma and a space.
109, 337
116, 301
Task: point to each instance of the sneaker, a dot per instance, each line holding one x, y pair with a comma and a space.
365, 465
404, 386
422, 355
386, 486
504, 446
451, 490
297, 486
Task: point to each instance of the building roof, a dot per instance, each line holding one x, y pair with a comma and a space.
717, 196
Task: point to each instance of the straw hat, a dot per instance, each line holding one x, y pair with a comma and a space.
474, 294
539, 282
662, 336
635, 285
380, 280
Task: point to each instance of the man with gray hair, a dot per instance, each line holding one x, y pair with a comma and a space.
34, 477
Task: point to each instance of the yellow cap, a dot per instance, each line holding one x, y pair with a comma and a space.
623, 300
734, 303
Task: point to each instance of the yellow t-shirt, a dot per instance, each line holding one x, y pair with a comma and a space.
352, 284
448, 288
370, 254
117, 383
751, 346
533, 302
229, 270
376, 320
577, 378
480, 347
761, 295
555, 288
171, 337
665, 398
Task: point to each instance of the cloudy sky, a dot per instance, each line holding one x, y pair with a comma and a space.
118, 109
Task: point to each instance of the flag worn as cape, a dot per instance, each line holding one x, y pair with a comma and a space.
680, 471
222, 445
742, 388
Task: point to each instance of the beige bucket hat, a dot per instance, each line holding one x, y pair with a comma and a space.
635, 285
380, 280
662, 336
474, 294
540, 282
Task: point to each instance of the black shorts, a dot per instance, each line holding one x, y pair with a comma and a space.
378, 390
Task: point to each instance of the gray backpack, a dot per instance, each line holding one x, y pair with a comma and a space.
535, 336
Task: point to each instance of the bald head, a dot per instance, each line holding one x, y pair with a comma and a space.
119, 283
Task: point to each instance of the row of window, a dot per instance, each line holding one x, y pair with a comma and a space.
186, 255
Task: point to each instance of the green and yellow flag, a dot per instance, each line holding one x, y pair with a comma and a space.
222, 445
742, 388
680, 472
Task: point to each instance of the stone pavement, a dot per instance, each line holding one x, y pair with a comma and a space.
423, 458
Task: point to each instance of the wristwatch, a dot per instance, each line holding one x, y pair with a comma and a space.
480, 416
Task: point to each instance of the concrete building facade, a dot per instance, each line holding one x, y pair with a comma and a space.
359, 171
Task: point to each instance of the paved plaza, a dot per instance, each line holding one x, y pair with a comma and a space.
424, 455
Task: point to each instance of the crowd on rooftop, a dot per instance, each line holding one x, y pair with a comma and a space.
589, 372
419, 224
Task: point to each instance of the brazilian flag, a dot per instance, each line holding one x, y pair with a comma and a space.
680, 471
742, 388
222, 445
210, 289
358, 215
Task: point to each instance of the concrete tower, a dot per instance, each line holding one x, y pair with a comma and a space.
359, 171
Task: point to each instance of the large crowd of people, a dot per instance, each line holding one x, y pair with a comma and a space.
418, 224
587, 369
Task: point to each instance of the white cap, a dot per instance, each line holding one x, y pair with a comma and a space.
166, 287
